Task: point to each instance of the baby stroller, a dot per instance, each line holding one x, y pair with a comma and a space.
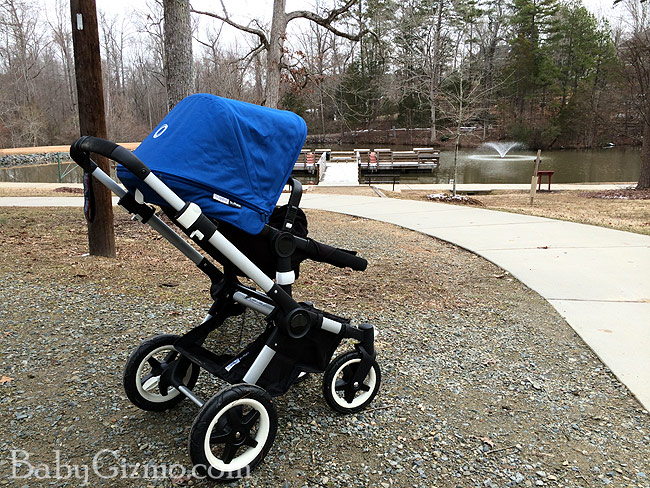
217, 169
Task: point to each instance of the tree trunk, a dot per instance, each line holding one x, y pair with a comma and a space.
274, 55
436, 74
178, 50
644, 176
458, 126
433, 95
259, 84
92, 121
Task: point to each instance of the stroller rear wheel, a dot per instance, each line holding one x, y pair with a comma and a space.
233, 432
143, 371
339, 390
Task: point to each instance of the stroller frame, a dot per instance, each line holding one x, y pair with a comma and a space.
355, 374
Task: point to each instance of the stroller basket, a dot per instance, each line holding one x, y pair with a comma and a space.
217, 168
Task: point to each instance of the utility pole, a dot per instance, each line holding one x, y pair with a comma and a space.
92, 119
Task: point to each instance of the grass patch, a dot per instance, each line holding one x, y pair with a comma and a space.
573, 206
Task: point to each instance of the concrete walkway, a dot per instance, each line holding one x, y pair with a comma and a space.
598, 279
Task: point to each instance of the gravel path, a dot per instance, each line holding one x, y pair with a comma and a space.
483, 383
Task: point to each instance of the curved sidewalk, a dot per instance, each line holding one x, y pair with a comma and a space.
598, 279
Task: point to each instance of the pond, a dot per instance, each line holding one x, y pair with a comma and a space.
571, 166
481, 165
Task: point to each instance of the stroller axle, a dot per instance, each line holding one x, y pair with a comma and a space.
189, 394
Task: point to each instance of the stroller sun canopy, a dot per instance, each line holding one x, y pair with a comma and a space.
231, 158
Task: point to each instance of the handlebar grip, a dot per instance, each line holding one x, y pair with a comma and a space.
87, 144
345, 259
97, 145
327, 254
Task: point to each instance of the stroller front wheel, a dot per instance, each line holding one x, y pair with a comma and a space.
233, 432
143, 371
340, 393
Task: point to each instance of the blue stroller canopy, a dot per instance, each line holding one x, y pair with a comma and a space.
231, 158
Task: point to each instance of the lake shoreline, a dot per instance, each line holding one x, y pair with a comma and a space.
421, 138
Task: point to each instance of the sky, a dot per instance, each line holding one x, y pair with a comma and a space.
241, 11
250, 8
244, 10
236, 8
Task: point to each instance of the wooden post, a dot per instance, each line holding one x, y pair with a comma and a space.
92, 121
533, 181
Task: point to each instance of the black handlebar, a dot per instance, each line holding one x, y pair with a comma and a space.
346, 259
327, 254
81, 148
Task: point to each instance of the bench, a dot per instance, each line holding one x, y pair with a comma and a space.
539, 178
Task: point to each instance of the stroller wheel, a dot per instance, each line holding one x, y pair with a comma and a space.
144, 368
233, 432
338, 389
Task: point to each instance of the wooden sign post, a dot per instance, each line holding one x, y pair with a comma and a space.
533, 181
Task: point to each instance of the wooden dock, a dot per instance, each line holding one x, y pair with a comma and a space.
419, 159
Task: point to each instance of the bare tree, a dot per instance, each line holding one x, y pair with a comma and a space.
435, 64
636, 70
422, 42
462, 97
149, 92
317, 45
178, 50
222, 72
273, 41
21, 60
62, 38
463, 91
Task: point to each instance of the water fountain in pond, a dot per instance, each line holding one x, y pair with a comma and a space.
502, 147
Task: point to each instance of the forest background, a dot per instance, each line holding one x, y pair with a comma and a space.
547, 73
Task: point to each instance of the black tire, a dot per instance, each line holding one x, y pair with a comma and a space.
338, 390
233, 432
140, 379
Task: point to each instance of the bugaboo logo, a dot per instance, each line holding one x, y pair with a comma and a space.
160, 131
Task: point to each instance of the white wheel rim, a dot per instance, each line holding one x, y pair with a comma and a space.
370, 381
239, 462
147, 389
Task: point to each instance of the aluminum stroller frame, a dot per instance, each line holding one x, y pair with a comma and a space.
235, 429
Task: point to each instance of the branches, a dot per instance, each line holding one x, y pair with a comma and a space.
327, 21
264, 41
324, 21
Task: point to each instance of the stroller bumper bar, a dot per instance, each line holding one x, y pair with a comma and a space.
79, 152
88, 144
